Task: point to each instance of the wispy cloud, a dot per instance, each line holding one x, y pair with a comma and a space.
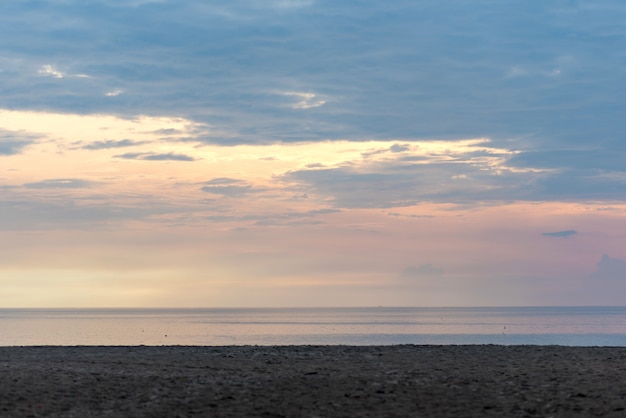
13, 142
611, 268
411, 172
51, 71
276, 219
221, 181
225, 186
519, 71
422, 271
560, 234
60, 184
306, 100
292, 4
149, 156
111, 143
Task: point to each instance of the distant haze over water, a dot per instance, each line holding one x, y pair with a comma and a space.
579, 326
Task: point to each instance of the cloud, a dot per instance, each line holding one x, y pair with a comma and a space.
8, 147
130, 3
352, 189
60, 184
168, 131
399, 147
295, 218
274, 219
408, 215
292, 4
114, 93
387, 80
571, 159
357, 106
457, 172
225, 186
307, 100
576, 184
518, 71
414, 172
223, 181
422, 270
560, 234
395, 148
110, 143
149, 156
70, 214
13, 142
611, 268
51, 71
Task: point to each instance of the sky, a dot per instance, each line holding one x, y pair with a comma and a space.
251, 153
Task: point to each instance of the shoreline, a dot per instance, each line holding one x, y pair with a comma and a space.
325, 381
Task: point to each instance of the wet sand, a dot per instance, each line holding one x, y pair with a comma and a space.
313, 381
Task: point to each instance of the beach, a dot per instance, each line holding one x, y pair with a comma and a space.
313, 381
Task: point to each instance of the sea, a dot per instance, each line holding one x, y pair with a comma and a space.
569, 326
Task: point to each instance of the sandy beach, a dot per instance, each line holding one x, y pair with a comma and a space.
313, 381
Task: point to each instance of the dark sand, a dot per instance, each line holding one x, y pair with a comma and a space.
313, 381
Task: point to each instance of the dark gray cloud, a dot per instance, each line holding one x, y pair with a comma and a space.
396, 183
589, 159
575, 184
560, 234
611, 268
532, 74
540, 78
350, 188
148, 156
111, 143
463, 179
60, 184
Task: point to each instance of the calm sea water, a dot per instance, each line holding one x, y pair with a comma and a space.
580, 326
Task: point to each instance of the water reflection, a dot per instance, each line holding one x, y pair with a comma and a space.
360, 326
